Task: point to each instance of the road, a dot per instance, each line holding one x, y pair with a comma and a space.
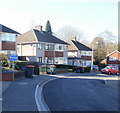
81, 94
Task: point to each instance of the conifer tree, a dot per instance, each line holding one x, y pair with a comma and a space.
48, 27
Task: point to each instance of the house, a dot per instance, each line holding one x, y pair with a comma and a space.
113, 58
39, 46
79, 54
8, 41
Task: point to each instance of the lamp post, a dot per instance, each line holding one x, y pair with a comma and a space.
92, 59
92, 56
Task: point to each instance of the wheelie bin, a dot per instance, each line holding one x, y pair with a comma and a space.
29, 71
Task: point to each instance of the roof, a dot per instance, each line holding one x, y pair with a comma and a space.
27, 37
43, 36
81, 46
7, 30
116, 51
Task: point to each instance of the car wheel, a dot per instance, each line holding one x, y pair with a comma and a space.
116, 73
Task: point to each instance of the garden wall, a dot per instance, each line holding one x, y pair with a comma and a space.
12, 76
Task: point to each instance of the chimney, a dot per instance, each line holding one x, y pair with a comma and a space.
38, 27
74, 38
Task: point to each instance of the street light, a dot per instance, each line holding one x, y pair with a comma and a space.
92, 59
92, 56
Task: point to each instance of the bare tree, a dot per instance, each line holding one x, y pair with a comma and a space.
67, 32
110, 41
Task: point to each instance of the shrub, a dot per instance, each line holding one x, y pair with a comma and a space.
101, 65
87, 69
4, 59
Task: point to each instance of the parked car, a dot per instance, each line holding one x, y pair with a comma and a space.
110, 70
95, 67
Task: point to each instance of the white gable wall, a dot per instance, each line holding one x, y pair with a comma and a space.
27, 50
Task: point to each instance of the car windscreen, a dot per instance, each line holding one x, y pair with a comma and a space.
107, 67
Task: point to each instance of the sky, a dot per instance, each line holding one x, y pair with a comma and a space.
90, 16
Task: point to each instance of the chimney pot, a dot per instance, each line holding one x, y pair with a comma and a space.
74, 38
38, 27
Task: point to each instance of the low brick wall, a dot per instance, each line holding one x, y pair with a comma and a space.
12, 76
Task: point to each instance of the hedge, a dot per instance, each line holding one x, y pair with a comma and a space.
22, 66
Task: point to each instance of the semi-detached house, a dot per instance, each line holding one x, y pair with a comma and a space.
39, 46
79, 54
8, 40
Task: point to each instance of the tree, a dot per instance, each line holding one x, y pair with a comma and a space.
67, 32
98, 44
48, 27
110, 41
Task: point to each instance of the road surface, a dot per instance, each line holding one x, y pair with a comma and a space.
77, 94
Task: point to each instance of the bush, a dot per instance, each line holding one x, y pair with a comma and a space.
4, 59
5, 63
87, 69
101, 65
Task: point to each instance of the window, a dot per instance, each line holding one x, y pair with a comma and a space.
88, 53
8, 37
51, 47
56, 60
107, 67
46, 60
40, 59
60, 47
49, 60
46, 46
82, 53
112, 58
18, 49
65, 48
39, 46
4, 52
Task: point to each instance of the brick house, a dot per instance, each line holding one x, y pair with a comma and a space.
8, 41
79, 54
113, 58
39, 46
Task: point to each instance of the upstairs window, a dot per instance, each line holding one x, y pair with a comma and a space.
65, 48
49, 46
112, 58
46, 46
8, 37
39, 46
60, 47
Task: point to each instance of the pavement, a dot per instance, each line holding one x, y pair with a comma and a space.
21, 95
26, 94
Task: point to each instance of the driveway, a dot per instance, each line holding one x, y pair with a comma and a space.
81, 94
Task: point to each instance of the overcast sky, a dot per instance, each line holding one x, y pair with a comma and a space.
91, 16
